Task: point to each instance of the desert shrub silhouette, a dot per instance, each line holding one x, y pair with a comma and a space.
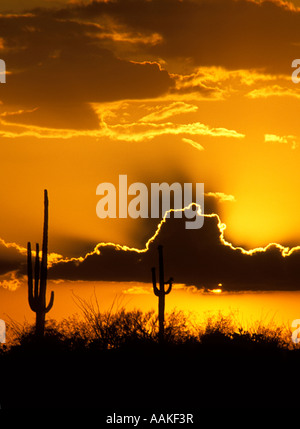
115, 328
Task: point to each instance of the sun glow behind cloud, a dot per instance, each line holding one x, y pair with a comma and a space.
231, 117
12, 283
284, 250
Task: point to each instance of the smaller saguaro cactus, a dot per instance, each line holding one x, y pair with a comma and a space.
37, 291
161, 292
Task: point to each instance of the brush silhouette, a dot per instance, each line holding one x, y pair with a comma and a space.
37, 291
161, 292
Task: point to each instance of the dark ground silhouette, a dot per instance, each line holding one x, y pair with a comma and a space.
134, 372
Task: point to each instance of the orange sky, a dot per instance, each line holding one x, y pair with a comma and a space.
246, 309
163, 91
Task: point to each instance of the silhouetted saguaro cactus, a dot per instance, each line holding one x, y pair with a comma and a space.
161, 292
37, 292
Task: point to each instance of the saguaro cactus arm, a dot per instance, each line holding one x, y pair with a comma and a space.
170, 283
37, 269
36, 293
30, 279
50, 305
155, 288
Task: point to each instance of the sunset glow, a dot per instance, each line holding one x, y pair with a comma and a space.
152, 149
228, 120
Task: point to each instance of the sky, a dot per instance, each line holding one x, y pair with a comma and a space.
191, 91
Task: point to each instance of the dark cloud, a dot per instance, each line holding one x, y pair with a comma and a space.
63, 59
11, 259
235, 34
193, 257
58, 66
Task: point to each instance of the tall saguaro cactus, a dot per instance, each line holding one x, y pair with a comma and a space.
37, 289
161, 292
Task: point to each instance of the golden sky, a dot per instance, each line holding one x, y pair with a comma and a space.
163, 91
